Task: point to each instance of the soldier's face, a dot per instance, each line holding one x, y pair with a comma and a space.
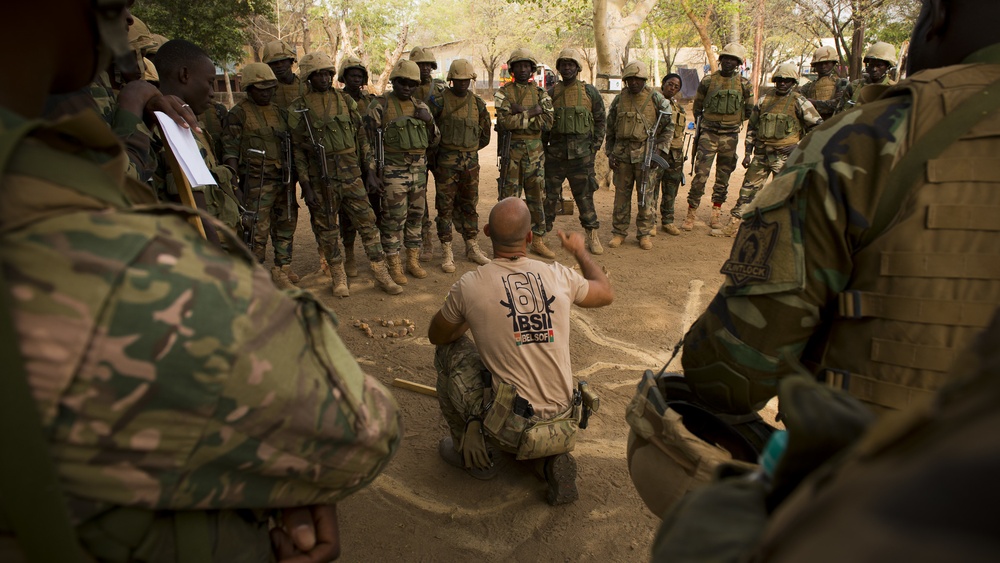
200, 88
403, 88
354, 79
261, 96
568, 69
521, 71
321, 80
460, 87
671, 87
634, 84
728, 65
783, 85
876, 69
824, 68
282, 69
426, 69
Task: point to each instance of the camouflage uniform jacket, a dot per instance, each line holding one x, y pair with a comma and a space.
424, 92
437, 103
705, 91
377, 109
852, 96
571, 146
269, 124
798, 249
213, 121
827, 106
168, 374
287, 93
527, 95
771, 102
320, 108
633, 150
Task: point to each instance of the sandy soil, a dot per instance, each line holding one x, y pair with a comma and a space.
422, 509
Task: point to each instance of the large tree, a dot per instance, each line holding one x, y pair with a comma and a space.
615, 22
221, 27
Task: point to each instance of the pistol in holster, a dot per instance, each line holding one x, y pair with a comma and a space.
588, 399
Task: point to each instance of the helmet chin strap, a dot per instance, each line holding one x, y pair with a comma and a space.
113, 33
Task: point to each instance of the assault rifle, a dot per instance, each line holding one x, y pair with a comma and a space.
651, 157
378, 142
324, 173
503, 158
688, 136
249, 218
694, 145
286, 179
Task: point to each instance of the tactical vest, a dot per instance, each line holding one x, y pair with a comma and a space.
331, 122
260, 125
680, 124
285, 94
724, 100
924, 286
635, 122
777, 123
527, 96
402, 131
425, 91
459, 122
572, 105
824, 88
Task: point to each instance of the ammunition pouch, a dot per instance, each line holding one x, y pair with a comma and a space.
777, 126
406, 134
527, 437
573, 120
725, 102
337, 131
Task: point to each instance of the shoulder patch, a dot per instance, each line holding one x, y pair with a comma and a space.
751, 253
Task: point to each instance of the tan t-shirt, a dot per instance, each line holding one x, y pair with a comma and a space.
518, 311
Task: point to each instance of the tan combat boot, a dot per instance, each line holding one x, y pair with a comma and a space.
339, 279
474, 253
539, 248
671, 229
426, 248
730, 231
616, 241
413, 264
652, 230
395, 268
350, 266
594, 243
448, 259
281, 280
645, 243
688, 223
382, 279
716, 221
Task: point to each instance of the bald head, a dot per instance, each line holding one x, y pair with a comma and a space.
509, 225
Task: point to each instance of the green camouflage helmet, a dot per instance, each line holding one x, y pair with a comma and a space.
406, 69
881, 51
734, 50
259, 75
522, 54
785, 71
349, 63
635, 69
277, 51
423, 55
825, 55
571, 54
461, 69
314, 61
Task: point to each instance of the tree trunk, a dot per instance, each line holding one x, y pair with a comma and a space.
229, 87
612, 32
392, 58
734, 22
857, 48
758, 49
306, 40
701, 25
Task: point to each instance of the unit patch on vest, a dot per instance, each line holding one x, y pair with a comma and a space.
751, 251
530, 308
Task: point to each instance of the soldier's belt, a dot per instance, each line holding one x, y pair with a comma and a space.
525, 136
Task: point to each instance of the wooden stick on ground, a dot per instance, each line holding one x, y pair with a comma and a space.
415, 387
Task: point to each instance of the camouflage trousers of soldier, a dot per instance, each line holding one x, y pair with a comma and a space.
284, 219
346, 192
627, 178
426, 224
460, 384
670, 181
403, 205
348, 231
582, 182
526, 173
761, 168
456, 180
710, 145
261, 199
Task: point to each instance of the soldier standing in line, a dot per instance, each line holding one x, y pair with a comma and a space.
285, 213
671, 178
722, 104
825, 92
428, 87
879, 58
354, 76
408, 130
577, 134
465, 129
777, 123
632, 119
326, 120
253, 145
523, 111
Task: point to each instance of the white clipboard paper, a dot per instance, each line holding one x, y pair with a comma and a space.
185, 148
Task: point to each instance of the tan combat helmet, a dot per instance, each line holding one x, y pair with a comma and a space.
461, 69
277, 51
259, 75
734, 50
157, 41
406, 69
571, 54
348, 63
522, 54
881, 51
149, 73
314, 61
825, 55
635, 69
139, 37
785, 71
423, 55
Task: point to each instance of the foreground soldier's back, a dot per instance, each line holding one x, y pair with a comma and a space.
167, 375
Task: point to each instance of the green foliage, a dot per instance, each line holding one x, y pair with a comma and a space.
217, 26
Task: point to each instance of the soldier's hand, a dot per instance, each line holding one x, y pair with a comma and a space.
474, 450
423, 115
174, 107
612, 162
574, 243
746, 161
308, 534
537, 110
374, 183
308, 194
515, 108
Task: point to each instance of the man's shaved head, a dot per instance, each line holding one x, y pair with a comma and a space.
510, 223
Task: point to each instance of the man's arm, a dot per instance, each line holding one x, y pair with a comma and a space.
486, 131
600, 292
443, 332
600, 117
699, 97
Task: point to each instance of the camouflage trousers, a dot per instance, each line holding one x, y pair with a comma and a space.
526, 173
761, 168
627, 178
456, 180
670, 180
284, 218
712, 143
404, 204
461, 384
348, 231
426, 224
261, 199
346, 192
582, 182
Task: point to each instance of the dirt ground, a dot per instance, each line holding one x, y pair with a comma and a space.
420, 508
